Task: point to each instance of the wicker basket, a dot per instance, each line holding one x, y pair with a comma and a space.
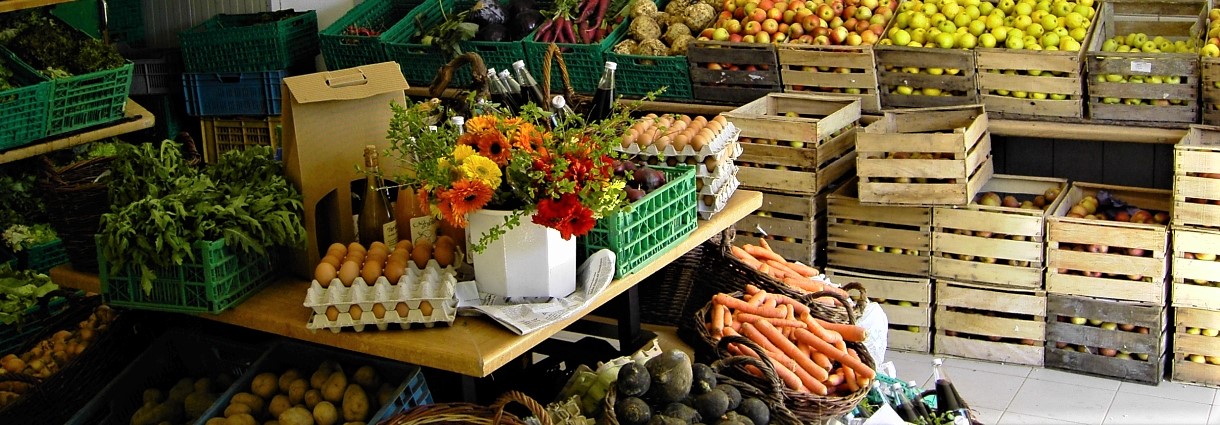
470, 413
76, 200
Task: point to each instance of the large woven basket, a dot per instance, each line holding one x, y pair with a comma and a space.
77, 196
470, 413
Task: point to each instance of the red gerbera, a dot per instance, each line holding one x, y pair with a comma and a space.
465, 196
566, 215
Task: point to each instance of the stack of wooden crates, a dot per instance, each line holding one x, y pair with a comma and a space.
1195, 298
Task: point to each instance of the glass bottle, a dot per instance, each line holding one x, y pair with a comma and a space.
514, 88
376, 221
947, 398
499, 93
603, 98
560, 111
459, 123
529, 86
904, 406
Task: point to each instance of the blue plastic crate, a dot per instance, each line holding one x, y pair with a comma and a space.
239, 93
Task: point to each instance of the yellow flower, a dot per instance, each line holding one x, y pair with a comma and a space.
460, 152
481, 168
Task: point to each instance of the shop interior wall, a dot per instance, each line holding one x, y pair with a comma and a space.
1117, 163
164, 19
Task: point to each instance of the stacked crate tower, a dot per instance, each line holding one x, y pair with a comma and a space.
1195, 292
233, 66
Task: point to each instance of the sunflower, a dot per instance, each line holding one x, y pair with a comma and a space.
461, 151
480, 168
465, 196
494, 146
481, 124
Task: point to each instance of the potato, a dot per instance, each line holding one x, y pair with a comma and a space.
203, 385
325, 414
312, 398
197, 403
256, 403
180, 390
296, 391
333, 390
278, 405
238, 408
153, 396
217, 421
242, 419
265, 385
318, 379
296, 416
287, 378
367, 377
355, 404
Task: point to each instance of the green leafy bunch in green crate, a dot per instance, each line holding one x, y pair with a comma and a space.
20, 290
53, 47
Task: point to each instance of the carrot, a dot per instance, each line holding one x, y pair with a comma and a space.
806, 351
788, 376
787, 347
744, 256
745, 307
751, 289
761, 253
717, 318
849, 379
835, 378
728, 331
779, 323
759, 298
738, 351
763, 243
803, 270
765, 269
797, 307
783, 267
727, 316
851, 333
818, 358
806, 284
806, 337
811, 384
818, 330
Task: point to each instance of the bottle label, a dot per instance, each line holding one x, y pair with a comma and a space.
389, 233
423, 228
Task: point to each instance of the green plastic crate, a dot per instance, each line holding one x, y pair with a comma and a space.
420, 63
345, 51
584, 61
125, 21
23, 110
219, 278
638, 75
652, 226
44, 256
235, 43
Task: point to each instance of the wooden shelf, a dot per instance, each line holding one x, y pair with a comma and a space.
471, 346
135, 118
11, 5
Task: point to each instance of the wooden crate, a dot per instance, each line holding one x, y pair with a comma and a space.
1209, 90
735, 73
955, 85
1194, 334
996, 244
1078, 346
955, 163
907, 302
1195, 271
877, 238
796, 225
795, 143
1000, 325
1176, 99
1196, 178
1031, 84
846, 71
1112, 272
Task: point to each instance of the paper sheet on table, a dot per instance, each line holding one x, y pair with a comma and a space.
525, 315
885, 416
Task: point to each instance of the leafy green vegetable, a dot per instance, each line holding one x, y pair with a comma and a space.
54, 47
20, 200
20, 290
20, 236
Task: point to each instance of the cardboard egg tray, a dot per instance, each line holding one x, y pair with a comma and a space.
711, 184
716, 146
433, 284
721, 198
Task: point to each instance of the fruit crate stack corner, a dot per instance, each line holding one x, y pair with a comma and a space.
1115, 339
794, 225
846, 71
732, 72
1195, 357
877, 239
987, 323
943, 77
907, 302
1195, 242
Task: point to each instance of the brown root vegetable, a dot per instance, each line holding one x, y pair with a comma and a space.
296, 416
265, 385
325, 414
652, 47
625, 47
644, 10
355, 404
676, 30
699, 16
332, 391
644, 29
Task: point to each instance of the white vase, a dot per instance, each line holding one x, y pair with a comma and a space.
530, 260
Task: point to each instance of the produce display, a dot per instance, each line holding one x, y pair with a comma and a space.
798, 276
1109, 326
579, 21
1143, 43
1025, 24
1211, 48
1202, 256
1105, 207
808, 354
19, 291
53, 48
1038, 202
664, 33
670, 388
52, 354
1199, 358
346, 263
184, 402
674, 135
816, 22
499, 22
326, 395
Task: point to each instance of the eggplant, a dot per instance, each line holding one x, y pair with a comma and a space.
523, 23
487, 12
492, 32
517, 7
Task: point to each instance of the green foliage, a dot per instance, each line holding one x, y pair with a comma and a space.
54, 47
20, 200
20, 290
20, 237
160, 206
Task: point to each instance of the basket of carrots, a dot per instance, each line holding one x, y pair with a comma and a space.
823, 365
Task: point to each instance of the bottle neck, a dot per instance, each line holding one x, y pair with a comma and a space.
607, 80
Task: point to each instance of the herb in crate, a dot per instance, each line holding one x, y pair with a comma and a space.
161, 206
20, 290
17, 195
20, 237
53, 48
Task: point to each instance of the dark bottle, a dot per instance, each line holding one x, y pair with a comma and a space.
948, 401
513, 89
376, 220
560, 112
499, 93
603, 98
529, 86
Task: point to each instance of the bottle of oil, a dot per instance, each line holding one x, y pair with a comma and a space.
529, 86
603, 98
376, 221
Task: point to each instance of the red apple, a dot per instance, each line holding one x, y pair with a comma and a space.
877, 29
836, 22
708, 32
775, 13
735, 37
837, 6
748, 38
861, 26
780, 37
796, 5
821, 40
863, 13
802, 13
752, 27
770, 26
850, 23
883, 11
714, 66
719, 34
762, 37
821, 32
733, 26
853, 39
795, 32
789, 16
838, 35
869, 38
810, 22
848, 12
766, 4
758, 15
825, 12
805, 39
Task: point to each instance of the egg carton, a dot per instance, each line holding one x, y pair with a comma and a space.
721, 198
433, 284
710, 185
727, 134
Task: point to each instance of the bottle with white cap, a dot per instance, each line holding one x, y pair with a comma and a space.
603, 98
529, 86
560, 111
499, 93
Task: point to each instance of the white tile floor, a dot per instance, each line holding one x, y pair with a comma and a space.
1014, 394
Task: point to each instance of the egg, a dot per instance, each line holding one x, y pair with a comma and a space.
700, 119
629, 139
334, 261
394, 271
372, 271
379, 310
422, 253
401, 256
356, 246
661, 143
685, 118
651, 116
647, 137
357, 257
707, 134
425, 307
721, 119
356, 312
337, 249
403, 244
402, 309
378, 245
348, 273
446, 240
332, 313
324, 273
444, 255
714, 126
698, 142
680, 142
378, 258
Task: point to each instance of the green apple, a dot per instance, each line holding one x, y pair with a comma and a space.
1095, 322
905, 304
1109, 326
1050, 39
1209, 332
1210, 50
1058, 96
1014, 43
944, 40
1197, 358
1078, 320
1111, 100
1190, 330
1141, 356
987, 40
1037, 95
901, 37
914, 329
966, 41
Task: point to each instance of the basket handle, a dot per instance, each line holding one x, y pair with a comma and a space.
844, 301
762, 362
522, 399
445, 75
553, 52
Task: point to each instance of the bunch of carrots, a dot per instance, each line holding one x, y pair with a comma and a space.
796, 275
807, 353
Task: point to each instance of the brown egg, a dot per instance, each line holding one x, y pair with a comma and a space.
698, 142
403, 244
661, 143
402, 309
379, 310
356, 312
371, 272
332, 313
356, 246
325, 273
334, 260
680, 142
337, 249
348, 273
379, 245
376, 258
685, 118
402, 256
716, 127
425, 307
394, 271
444, 255
423, 252
707, 134
721, 119
699, 119
358, 257
446, 240
629, 138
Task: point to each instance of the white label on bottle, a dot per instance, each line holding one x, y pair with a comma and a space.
423, 228
1141, 66
389, 233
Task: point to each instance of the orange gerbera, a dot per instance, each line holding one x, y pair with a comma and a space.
465, 196
495, 147
525, 136
481, 124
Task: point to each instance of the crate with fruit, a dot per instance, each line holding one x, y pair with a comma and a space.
1116, 339
1000, 325
1194, 270
1196, 346
925, 156
1196, 178
1143, 64
1031, 59
795, 143
1109, 242
733, 72
877, 238
795, 225
924, 61
1000, 237
907, 302
1209, 70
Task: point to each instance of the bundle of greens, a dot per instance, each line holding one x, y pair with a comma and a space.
53, 47
20, 200
160, 206
19, 290
20, 237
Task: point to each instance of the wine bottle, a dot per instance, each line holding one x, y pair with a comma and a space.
948, 401
603, 98
500, 93
514, 88
376, 221
529, 86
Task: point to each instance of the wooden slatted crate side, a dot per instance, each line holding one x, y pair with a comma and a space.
957, 85
952, 141
1209, 90
1035, 84
756, 153
1195, 271
907, 303
840, 71
712, 79
796, 182
1196, 178
885, 239
1196, 351
927, 194
818, 118
844, 204
987, 323
1137, 330
796, 225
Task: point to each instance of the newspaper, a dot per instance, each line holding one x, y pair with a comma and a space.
525, 315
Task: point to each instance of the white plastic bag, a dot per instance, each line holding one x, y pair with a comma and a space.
878, 326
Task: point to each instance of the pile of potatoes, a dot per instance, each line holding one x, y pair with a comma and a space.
185, 402
49, 355
327, 396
